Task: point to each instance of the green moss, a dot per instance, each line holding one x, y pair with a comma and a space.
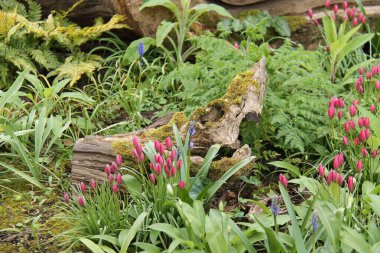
295, 22
234, 94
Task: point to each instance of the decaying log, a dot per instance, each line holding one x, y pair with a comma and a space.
216, 123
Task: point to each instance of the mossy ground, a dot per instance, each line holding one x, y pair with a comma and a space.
17, 211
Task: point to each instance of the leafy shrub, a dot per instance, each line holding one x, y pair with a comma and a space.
28, 42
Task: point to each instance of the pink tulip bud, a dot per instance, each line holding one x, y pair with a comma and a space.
367, 133
372, 108
327, 3
353, 12
152, 178
340, 115
179, 164
135, 141
181, 184
321, 171
139, 149
111, 178
335, 8
348, 12
361, 70
108, 169
359, 165
331, 112
368, 75
157, 146
345, 18
347, 127
362, 136
236, 45
328, 178
352, 110
114, 188
114, 167
364, 20
345, 141
364, 152
332, 102
361, 90
328, 48
356, 141
158, 169
360, 16
283, 180
374, 71
355, 22
336, 164
162, 149
339, 179
360, 122
161, 161
81, 201
173, 171
374, 153
119, 178
83, 187
66, 197
366, 122
167, 170
151, 166
173, 155
356, 102
377, 85
310, 13
352, 124
93, 184
156, 158
316, 23
344, 5
119, 160
135, 155
378, 99
142, 157
168, 143
350, 183
169, 162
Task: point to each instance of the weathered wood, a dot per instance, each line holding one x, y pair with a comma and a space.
217, 123
145, 23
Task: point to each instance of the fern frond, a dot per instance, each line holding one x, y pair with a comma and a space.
34, 11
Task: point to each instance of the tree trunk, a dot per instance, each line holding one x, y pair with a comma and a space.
217, 123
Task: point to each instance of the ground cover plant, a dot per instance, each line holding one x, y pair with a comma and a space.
314, 181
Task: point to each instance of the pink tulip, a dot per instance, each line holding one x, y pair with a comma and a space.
335, 8
152, 178
372, 108
179, 164
345, 141
119, 160
93, 184
336, 164
162, 149
352, 124
172, 171
328, 178
347, 127
356, 141
374, 153
161, 161
339, 179
316, 23
360, 122
366, 122
157, 146
377, 85
173, 155
362, 136
374, 71
119, 178
327, 3
181, 184
136, 155
364, 20
66, 197
331, 112
356, 102
169, 162
283, 180
350, 183
352, 110
83, 187
321, 171
151, 166
327, 48
364, 152
340, 115
108, 169
310, 13
111, 178
353, 12
114, 167
135, 141
114, 188
355, 22
367, 133
142, 157
360, 16
361, 70
344, 5
368, 75
168, 143
80, 201
359, 165
158, 169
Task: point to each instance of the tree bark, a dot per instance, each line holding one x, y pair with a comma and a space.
217, 123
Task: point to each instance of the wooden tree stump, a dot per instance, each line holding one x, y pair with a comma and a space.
216, 123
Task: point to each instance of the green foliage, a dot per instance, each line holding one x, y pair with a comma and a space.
261, 21
297, 96
28, 42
